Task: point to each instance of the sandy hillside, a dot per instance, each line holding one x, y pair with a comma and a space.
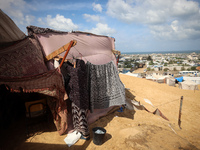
140, 130
140, 70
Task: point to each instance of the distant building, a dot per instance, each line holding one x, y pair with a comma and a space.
193, 56
189, 73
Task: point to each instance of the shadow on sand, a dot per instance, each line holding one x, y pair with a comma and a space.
13, 127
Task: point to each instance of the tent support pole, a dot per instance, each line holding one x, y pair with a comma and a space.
180, 109
59, 51
118, 59
70, 45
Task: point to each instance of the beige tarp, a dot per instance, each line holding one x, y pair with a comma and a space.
9, 32
170, 81
188, 85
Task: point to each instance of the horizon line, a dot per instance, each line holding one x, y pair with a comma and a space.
163, 51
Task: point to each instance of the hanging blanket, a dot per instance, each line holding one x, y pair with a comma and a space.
49, 83
76, 88
76, 83
22, 59
23, 69
106, 88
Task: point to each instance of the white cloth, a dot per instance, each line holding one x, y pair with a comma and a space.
72, 138
148, 101
56, 63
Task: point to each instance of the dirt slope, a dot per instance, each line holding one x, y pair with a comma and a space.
140, 130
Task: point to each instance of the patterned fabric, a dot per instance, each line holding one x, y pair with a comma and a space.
106, 88
79, 117
76, 88
22, 59
22, 69
37, 30
59, 110
76, 83
51, 80
49, 83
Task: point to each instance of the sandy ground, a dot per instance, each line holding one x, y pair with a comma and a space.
139, 130
140, 70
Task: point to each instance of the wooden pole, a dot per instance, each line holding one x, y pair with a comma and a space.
70, 45
59, 51
180, 109
118, 59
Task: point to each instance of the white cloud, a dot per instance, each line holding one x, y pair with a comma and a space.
60, 23
102, 29
91, 18
16, 10
171, 19
9, 5
139, 11
65, 5
183, 8
97, 7
29, 19
174, 31
121, 10
174, 25
40, 21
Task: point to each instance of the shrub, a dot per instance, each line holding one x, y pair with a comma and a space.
166, 69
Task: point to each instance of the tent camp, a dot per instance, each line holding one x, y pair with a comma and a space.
179, 79
188, 85
194, 79
26, 69
170, 81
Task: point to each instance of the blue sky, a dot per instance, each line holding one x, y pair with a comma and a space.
136, 25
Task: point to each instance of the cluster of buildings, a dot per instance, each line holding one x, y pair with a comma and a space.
174, 62
158, 66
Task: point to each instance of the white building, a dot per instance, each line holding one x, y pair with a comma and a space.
189, 73
194, 79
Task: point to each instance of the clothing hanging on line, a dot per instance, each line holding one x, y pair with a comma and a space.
76, 83
79, 117
105, 86
75, 79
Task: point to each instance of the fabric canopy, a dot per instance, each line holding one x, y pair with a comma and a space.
179, 79
22, 59
23, 68
188, 85
9, 32
170, 81
96, 49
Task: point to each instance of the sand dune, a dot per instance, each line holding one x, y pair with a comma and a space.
140, 130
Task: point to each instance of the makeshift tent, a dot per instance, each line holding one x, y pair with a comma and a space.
96, 49
188, 85
9, 32
194, 79
170, 81
179, 79
24, 69
157, 78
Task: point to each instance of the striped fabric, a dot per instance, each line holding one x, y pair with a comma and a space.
80, 119
76, 88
